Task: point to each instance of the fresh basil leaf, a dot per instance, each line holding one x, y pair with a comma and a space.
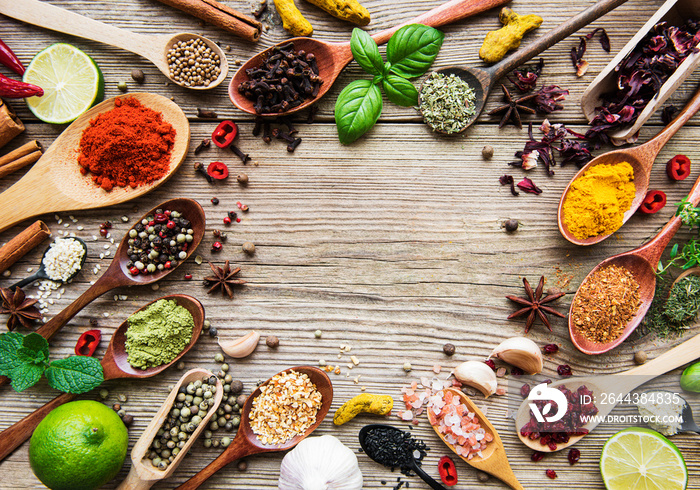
412, 49
75, 374
25, 376
400, 91
357, 109
10, 342
366, 52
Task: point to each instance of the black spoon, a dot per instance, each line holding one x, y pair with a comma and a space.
41, 273
400, 457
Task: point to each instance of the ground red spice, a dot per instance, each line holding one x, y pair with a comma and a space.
129, 145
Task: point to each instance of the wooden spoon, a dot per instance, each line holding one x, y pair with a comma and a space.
247, 443
482, 80
115, 366
332, 58
641, 158
153, 48
55, 184
493, 459
642, 263
117, 274
618, 384
143, 475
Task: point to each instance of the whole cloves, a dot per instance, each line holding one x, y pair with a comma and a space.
199, 167
202, 145
205, 113
243, 156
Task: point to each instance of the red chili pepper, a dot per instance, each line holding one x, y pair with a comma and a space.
15, 89
225, 133
678, 167
88, 342
447, 470
217, 170
10, 59
653, 202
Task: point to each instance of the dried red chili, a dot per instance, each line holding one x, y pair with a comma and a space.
653, 202
678, 167
10, 59
15, 89
88, 342
447, 470
217, 170
225, 133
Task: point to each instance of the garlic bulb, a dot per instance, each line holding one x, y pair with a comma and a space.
320, 463
521, 352
477, 375
241, 346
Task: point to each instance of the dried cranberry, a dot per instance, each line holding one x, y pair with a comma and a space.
564, 370
516, 371
552, 446
551, 349
537, 456
525, 390
490, 364
551, 474
574, 455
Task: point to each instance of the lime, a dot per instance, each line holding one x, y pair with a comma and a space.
78, 446
690, 379
638, 458
71, 80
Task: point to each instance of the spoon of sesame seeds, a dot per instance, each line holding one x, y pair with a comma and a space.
61, 262
187, 59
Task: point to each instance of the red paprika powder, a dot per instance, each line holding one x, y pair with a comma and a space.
129, 145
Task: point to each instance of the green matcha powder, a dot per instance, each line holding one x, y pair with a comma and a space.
157, 334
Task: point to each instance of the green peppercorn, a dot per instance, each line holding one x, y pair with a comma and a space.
219, 358
122, 86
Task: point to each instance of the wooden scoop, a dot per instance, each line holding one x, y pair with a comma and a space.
153, 48
642, 263
247, 443
641, 158
482, 80
618, 384
332, 58
493, 459
143, 475
55, 183
115, 366
117, 274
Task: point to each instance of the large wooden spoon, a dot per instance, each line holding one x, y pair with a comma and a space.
117, 274
613, 384
247, 443
493, 459
55, 183
153, 48
143, 475
115, 366
332, 58
482, 80
641, 158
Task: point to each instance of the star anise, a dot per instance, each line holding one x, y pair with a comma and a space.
223, 278
21, 310
535, 305
513, 108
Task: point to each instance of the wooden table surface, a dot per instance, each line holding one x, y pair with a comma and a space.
393, 245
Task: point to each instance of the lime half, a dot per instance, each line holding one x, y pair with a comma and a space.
638, 458
71, 80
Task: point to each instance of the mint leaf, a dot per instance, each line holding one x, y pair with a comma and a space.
9, 344
357, 109
25, 376
366, 52
75, 374
412, 49
35, 342
400, 91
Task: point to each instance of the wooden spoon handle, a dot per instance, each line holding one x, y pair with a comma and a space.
655, 144
239, 448
446, 13
16, 434
55, 18
671, 359
134, 482
551, 38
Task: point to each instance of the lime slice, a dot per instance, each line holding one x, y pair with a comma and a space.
71, 80
638, 458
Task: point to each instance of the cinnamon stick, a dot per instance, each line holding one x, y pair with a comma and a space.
220, 15
18, 247
10, 125
21, 157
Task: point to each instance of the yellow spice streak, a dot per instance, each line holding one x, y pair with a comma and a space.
598, 200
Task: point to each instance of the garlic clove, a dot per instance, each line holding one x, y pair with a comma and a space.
477, 375
242, 346
521, 352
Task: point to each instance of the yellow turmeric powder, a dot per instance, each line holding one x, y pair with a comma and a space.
515, 26
597, 201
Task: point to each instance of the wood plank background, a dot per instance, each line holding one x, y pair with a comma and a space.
393, 245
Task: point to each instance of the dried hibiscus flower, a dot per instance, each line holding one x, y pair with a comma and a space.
577, 53
525, 78
508, 179
527, 185
547, 98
